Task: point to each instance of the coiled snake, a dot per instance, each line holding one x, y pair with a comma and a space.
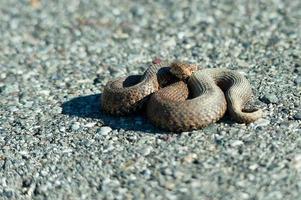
179, 97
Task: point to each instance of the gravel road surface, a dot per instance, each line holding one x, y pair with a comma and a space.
57, 55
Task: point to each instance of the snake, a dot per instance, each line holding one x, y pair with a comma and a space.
179, 96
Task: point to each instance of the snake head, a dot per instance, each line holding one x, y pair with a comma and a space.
182, 70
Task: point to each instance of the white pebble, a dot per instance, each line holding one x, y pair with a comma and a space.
90, 125
105, 130
237, 143
75, 126
262, 122
146, 151
296, 162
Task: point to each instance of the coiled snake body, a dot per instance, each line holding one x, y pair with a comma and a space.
178, 97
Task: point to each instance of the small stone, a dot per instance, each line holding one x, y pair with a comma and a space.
57, 109
8, 194
62, 129
44, 92
146, 151
119, 34
2, 87
90, 125
97, 80
237, 143
270, 98
13, 88
170, 43
274, 195
26, 183
105, 130
137, 11
297, 116
244, 195
28, 104
297, 81
178, 174
262, 122
218, 139
177, 15
13, 109
242, 63
169, 185
146, 173
253, 167
296, 162
190, 158
297, 68
75, 126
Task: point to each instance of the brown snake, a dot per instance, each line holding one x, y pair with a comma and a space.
178, 97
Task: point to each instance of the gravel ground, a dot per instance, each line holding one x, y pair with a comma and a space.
56, 56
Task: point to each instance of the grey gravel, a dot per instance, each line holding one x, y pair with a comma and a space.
56, 57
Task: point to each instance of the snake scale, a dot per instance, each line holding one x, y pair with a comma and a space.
179, 97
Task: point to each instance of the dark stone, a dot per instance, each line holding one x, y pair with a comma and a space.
269, 98
297, 116
297, 81
97, 80
8, 194
26, 183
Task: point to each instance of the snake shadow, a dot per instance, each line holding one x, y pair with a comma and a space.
89, 107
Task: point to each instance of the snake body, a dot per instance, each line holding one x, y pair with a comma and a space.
126, 95
181, 99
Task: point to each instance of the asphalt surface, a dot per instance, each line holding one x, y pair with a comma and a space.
56, 143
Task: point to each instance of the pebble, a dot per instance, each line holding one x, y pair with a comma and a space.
297, 81
137, 11
297, 68
8, 194
253, 166
270, 98
13, 88
190, 158
75, 126
147, 173
97, 80
105, 130
262, 122
57, 109
296, 162
13, 109
146, 151
297, 116
26, 182
90, 125
62, 128
237, 143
